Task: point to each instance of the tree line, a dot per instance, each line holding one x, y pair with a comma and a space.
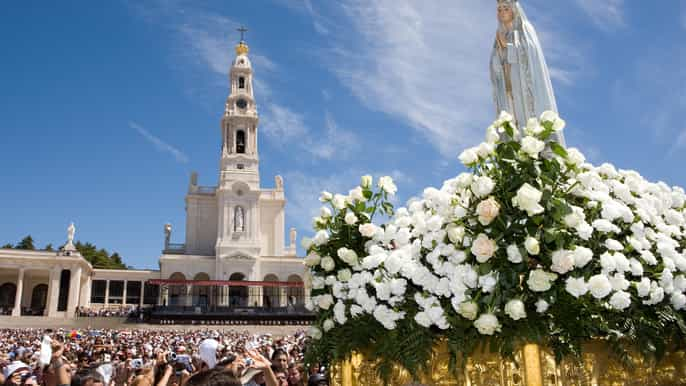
97, 257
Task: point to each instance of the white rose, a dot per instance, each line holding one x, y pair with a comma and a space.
540, 280
575, 218
549, 116
582, 256
338, 201
325, 196
455, 233
328, 264
312, 260
542, 306
487, 324
324, 301
469, 310
563, 261
366, 181
328, 325
492, 135
503, 117
532, 146
320, 238
306, 243
533, 127
315, 333
643, 287
613, 245
576, 286
387, 185
469, 157
324, 212
678, 300
356, 195
620, 300
344, 275
347, 255
532, 246
575, 157
350, 218
367, 230
485, 149
483, 248
487, 210
482, 186
528, 199
513, 254
600, 286
515, 309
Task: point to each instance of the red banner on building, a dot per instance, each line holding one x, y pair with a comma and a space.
231, 283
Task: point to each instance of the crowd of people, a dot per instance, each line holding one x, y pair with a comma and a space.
121, 312
35, 357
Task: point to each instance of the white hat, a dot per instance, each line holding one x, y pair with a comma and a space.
14, 366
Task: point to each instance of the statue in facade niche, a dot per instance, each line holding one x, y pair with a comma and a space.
519, 74
239, 220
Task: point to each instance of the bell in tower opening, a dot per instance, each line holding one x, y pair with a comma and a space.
240, 141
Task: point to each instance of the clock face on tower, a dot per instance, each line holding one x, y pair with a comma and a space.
241, 103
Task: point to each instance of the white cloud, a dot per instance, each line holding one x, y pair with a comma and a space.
426, 64
160, 144
281, 123
606, 14
335, 142
286, 127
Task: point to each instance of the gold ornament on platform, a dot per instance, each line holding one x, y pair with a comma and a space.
533, 365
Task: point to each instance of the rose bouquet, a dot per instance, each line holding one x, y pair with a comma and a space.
531, 245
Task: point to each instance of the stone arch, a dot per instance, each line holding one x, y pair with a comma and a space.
295, 295
201, 294
241, 141
238, 295
270, 295
39, 298
7, 293
177, 293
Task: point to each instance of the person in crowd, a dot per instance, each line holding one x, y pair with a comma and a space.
280, 360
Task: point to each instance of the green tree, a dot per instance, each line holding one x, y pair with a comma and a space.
26, 243
49, 247
7, 246
100, 258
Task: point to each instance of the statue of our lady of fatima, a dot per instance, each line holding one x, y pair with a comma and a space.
521, 82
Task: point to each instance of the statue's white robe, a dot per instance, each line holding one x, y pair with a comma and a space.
532, 91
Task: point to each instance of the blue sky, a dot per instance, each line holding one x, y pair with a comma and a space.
107, 107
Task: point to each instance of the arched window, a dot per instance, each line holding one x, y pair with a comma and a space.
240, 141
238, 295
39, 298
238, 219
241, 82
7, 295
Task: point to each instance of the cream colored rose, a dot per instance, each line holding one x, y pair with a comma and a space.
469, 310
366, 181
532, 246
328, 264
312, 260
487, 210
540, 280
367, 230
483, 248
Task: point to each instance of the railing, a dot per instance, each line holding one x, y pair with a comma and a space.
206, 190
175, 248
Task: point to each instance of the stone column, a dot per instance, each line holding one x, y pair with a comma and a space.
140, 301
123, 299
54, 291
189, 295
74, 287
16, 311
283, 296
107, 292
85, 297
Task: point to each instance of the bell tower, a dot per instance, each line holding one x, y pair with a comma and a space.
238, 193
239, 157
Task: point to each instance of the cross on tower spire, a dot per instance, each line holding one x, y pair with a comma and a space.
242, 30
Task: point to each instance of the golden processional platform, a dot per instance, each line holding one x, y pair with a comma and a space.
533, 365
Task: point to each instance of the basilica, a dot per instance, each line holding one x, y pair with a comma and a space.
234, 253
